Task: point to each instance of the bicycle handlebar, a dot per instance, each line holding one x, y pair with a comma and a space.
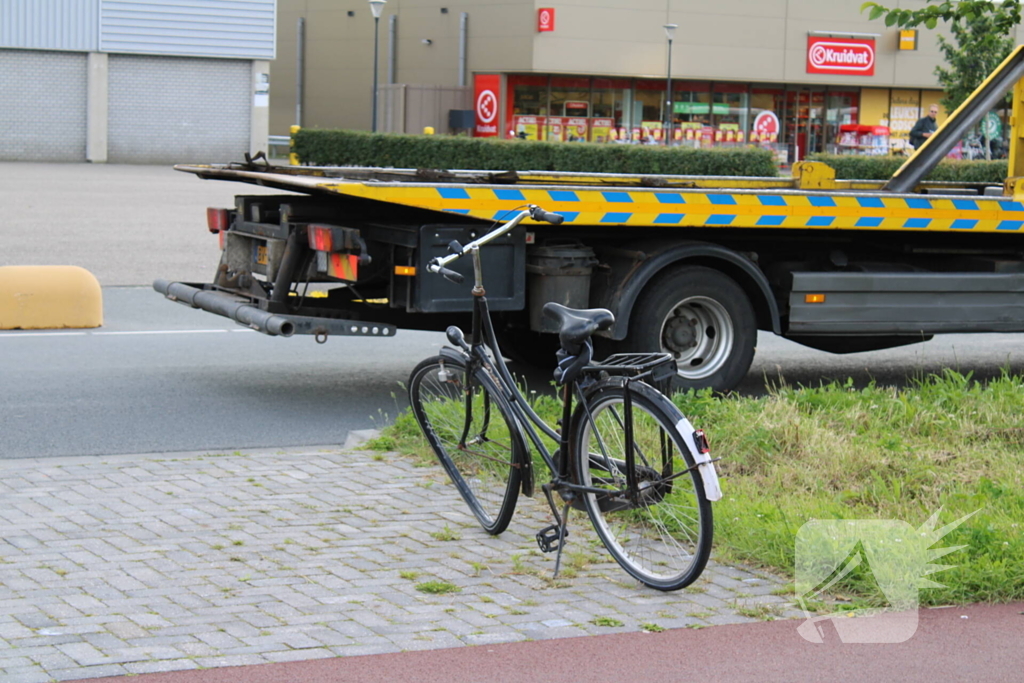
437, 264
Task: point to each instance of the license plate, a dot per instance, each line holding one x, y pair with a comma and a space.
261, 255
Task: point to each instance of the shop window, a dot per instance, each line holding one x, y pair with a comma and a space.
527, 106
610, 98
691, 110
730, 113
648, 103
570, 109
529, 95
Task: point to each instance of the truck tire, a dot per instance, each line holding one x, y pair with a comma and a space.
704, 319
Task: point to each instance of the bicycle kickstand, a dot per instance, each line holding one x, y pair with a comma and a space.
551, 538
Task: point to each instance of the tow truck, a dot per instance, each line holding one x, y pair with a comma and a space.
691, 265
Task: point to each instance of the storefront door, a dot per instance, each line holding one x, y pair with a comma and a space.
805, 117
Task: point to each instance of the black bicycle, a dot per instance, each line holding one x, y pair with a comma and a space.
625, 453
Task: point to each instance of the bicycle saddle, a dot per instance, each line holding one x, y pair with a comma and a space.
576, 325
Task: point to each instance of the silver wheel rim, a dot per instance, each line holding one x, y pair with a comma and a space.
699, 334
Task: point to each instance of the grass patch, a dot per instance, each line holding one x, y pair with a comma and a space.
606, 621
945, 442
446, 534
437, 587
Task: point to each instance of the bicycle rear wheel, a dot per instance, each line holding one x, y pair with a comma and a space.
474, 434
661, 532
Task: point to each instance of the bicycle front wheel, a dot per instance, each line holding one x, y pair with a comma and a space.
655, 520
474, 434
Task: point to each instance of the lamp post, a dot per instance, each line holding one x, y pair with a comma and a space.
670, 32
376, 6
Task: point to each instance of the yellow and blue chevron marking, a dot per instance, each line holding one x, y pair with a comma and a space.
699, 208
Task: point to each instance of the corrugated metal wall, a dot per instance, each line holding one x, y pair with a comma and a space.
37, 123
178, 110
50, 24
208, 28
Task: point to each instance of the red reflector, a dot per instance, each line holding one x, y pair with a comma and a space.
320, 238
216, 219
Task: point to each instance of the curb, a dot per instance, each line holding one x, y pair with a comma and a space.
49, 297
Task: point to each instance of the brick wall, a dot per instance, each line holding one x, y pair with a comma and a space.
42, 105
178, 110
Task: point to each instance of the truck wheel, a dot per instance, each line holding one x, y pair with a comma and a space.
704, 319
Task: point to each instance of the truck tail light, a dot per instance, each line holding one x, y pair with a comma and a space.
217, 220
321, 238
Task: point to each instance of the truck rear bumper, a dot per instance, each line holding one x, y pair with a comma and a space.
245, 312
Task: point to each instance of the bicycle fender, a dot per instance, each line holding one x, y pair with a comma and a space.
686, 431
708, 474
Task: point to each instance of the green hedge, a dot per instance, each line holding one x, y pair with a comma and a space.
850, 167
355, 148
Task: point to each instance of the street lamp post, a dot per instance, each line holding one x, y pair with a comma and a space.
376, 6
670, 32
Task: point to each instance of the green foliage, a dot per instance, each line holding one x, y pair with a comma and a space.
356, 148
836, 451
850, 167
945, 443
437, 587
1004, 14
976, 50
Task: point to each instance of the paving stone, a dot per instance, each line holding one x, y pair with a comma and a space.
104, 573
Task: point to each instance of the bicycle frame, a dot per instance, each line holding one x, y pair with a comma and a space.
483, 339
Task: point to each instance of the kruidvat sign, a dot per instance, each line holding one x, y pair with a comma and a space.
841, 56
485, 90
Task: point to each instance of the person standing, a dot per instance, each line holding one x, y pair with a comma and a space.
924, 128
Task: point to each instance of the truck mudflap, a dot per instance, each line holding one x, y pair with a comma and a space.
244, 312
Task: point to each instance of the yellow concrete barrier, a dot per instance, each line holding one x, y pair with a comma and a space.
48, 297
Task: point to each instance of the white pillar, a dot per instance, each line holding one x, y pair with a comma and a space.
259, 120
97, 90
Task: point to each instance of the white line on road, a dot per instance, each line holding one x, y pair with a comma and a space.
22, 335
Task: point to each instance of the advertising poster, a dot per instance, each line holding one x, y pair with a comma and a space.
602, 130
576, 130
555, 129
485, 90
904, 111
527, 127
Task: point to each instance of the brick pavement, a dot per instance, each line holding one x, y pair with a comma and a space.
144, 563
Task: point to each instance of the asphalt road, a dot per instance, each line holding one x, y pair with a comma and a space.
161, 377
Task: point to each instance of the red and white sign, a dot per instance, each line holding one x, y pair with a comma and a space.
546, 19
486, 88
766, 127
840, 56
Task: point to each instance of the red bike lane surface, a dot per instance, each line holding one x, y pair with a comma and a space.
972, 643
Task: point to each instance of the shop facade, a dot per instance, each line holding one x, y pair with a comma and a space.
794, 119
789, 74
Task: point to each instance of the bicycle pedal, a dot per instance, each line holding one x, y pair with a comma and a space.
550, 538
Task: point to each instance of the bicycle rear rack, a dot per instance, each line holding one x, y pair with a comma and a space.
657, 369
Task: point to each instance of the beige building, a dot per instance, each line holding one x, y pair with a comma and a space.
799, 75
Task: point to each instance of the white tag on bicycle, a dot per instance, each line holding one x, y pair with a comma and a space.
712, 489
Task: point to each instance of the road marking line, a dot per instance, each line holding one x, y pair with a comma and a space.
133, 332
43, 334
22, 335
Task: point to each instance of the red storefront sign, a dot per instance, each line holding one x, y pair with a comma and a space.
546, 19
841, 56
486, 88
